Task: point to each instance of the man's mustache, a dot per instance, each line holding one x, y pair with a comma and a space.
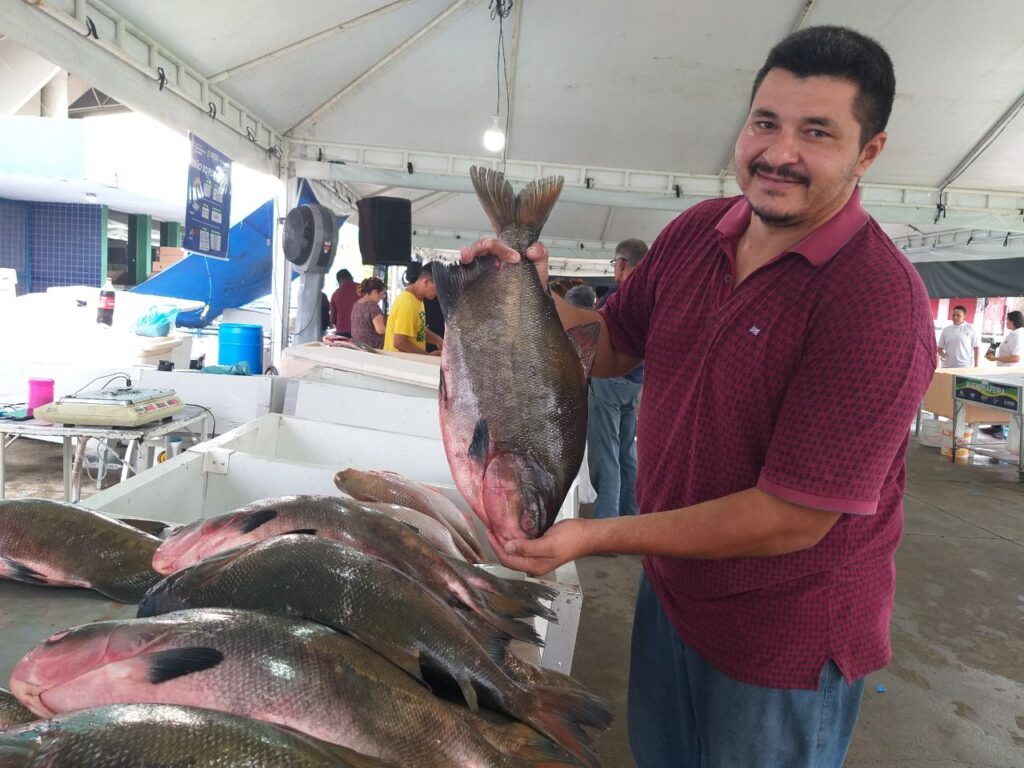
783, 171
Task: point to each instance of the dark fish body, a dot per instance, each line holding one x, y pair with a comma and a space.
162, 736
513, 395
12, 712
312, 578
362, 528
63, 545
289, 672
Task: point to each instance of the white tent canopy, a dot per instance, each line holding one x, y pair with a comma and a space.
637, 105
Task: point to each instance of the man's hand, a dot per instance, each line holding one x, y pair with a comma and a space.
563, 542
536, 253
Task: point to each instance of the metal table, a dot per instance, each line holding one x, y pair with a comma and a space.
135, 438
1001, 392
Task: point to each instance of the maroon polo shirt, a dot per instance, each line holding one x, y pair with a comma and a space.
342, 301
803, 382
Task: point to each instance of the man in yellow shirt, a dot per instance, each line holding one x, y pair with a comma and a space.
407, 330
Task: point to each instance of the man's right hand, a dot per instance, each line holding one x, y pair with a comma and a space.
536, 253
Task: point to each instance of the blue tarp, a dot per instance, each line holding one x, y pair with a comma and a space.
244, 277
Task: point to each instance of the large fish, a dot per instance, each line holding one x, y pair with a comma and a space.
513, 395
392, 488
63, 545
12, 712
362, 528
362, 596
286, 671
162, 736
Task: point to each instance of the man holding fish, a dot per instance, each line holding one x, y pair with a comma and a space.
771, 444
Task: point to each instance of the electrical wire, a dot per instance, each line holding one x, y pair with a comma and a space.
500, 10
204, 408
110, 378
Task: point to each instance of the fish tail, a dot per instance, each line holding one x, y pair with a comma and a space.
524, 744
535, 201
528, 210
559, 714
532, 675
496, 197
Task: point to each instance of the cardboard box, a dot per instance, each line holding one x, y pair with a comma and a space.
166, 257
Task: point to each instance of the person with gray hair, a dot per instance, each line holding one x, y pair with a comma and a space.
582, 296
611, 422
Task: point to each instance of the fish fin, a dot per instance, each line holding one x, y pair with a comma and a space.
17, 571
129, 591
515, 607
584, 339
255, 519
178, 662
559, 712
535, 201
480, 445
303, 531
451, 280
527, 590
496, 197
468, 693
410, 526
442, 391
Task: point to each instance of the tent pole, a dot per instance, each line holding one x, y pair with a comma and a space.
280, 279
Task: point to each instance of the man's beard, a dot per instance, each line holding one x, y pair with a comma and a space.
773, 218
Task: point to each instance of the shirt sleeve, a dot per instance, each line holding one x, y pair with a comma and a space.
975, 337
847, 411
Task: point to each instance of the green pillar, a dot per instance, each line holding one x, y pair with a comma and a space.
170, 234
104, 234
140, 237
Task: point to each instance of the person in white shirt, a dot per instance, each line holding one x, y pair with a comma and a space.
959, 344
1009, 351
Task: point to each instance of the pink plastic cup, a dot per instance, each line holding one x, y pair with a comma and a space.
40, 392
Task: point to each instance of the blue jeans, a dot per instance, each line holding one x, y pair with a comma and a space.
683, 713
611, 445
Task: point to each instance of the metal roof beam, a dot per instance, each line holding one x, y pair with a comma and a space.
990, 136
443, 238
123, 60
450, 12
307, 41
650, 190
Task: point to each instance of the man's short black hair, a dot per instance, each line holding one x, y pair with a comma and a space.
961, 307
842, 53
1017, 318
343, 274
632, 250
415, 271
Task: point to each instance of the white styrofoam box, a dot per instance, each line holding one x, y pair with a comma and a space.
278, 455
234, 400
418, 370
322, 374
357, 407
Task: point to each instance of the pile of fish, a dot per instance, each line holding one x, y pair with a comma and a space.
513, 395
295, 631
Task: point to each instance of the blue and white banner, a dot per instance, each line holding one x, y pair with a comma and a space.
208, 208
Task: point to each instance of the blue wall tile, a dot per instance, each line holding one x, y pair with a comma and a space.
65, 244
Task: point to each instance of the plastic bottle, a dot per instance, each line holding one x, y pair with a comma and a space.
105, 308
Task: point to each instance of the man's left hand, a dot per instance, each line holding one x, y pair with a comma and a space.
563, 542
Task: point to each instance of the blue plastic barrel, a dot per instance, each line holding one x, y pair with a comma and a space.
241, 341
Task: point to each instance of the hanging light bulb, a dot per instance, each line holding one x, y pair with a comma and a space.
494, 137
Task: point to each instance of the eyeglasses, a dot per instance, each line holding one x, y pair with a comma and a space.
616, 260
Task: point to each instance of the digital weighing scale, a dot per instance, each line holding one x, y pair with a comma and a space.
122, 407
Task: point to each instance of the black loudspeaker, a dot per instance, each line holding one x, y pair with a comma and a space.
385, 230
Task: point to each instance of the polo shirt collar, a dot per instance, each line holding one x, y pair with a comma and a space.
819, 246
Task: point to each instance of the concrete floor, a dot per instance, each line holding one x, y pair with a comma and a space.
955, 690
